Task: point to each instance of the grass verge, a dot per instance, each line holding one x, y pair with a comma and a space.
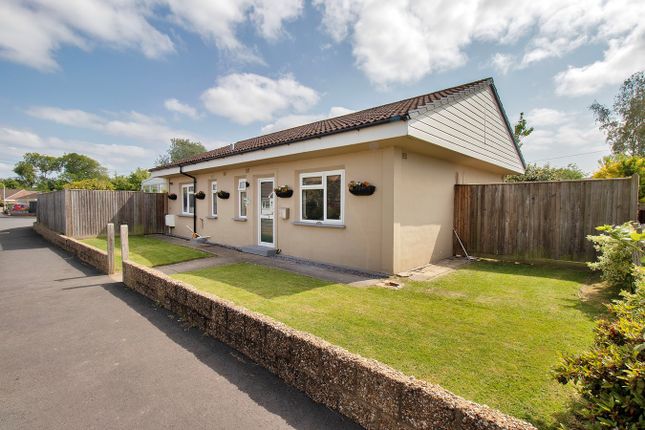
149, 251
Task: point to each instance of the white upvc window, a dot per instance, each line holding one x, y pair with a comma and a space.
242, 199
187, 199
322, 197
214, 198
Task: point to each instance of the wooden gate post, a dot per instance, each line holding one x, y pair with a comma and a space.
110, 248
125, 247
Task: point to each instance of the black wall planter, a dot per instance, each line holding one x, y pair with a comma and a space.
284, 194
200, 195
172, 196
362, 190
223, 195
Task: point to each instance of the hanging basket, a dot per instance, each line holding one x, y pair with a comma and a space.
200, 195
172, 196
223, 195
361, 188
284, 192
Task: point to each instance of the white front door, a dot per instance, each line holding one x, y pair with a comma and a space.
266, 208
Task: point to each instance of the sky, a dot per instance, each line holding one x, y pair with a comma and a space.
117, 79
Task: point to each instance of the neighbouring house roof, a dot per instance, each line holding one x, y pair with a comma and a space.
21, 195
8, 192
396, 111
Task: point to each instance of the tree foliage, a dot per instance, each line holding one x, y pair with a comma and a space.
77, 171
624, 122
76, 167
179, 150
623, 166
90, 184
521, 130
547, 172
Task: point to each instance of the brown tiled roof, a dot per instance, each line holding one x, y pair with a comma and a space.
365, 118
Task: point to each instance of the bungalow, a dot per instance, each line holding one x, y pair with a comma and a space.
410, 153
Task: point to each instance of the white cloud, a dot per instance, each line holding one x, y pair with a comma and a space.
502, 62
399, 41
133, 124
17, 141
246, 98
562, 137
31, 31
290, 121
175, 105
545, 117
623, 58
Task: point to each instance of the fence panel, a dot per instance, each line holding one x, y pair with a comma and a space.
535, 220
85, 213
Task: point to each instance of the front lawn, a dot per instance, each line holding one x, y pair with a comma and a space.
149, 251
490, 332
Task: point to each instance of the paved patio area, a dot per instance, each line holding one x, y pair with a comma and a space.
224, 255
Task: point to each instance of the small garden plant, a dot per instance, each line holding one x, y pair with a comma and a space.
611, 375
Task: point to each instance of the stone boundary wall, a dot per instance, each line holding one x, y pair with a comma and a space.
366, 391
87, 254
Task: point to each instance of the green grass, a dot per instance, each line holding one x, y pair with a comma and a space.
149, 251
490, 332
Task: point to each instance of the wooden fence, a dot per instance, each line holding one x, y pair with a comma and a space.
85, 213
535, 220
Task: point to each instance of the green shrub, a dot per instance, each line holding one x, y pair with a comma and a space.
617, 248
611, 375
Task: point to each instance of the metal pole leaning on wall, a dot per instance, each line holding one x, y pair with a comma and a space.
110, 248
125, 246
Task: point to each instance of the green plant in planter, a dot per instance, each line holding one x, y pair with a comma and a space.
361, 188
283, 191
200, 195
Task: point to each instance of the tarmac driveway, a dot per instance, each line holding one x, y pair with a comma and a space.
78, 350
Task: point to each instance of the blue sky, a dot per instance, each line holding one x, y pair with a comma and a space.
117, 79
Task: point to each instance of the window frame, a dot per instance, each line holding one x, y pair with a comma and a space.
183, 188
240, 202
214, 198
323, 186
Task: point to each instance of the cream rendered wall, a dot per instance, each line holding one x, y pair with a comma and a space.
424, 204
366, 242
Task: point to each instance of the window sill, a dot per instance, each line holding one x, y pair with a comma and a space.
211, 217
185, 215
319, 224
239, 219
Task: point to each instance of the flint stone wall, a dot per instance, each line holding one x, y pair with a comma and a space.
366, 391
88, 254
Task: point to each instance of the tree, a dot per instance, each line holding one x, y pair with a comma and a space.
622, 166
179, 150
90, 184
132, 182
76, 167
35, 170
12, 183
624, 123
547, 173
521, 130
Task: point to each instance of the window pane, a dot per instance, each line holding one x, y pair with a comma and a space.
312, 205
184, 199
243, 203
312, 180
191, 198
333, 197
214, 204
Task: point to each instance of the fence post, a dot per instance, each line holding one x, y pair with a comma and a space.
125, 247
110, 248
634, 197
